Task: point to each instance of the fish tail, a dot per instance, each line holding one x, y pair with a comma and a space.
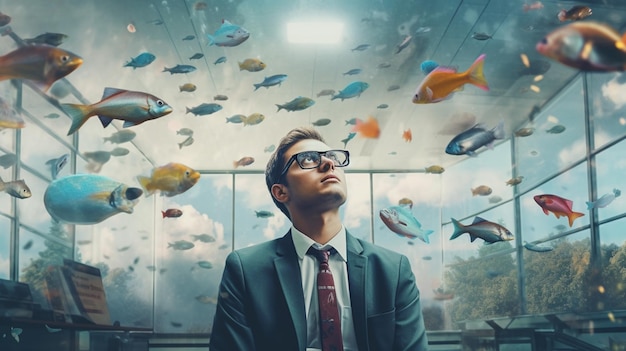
256, 86
280, 107
240, 66
458, 229
79, 115
590, 205
235, 164
426, 234
572, 216
476, 75
145, 184
211, 40
163, 213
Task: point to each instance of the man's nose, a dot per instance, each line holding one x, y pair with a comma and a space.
326, 164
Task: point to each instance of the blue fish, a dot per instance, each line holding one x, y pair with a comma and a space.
88, 198
401, 221
346, 140
204, 109
142, 60
180, 69
351, 90
353, 72
57, 164
298, 104
277, 79
428, 66
228, 35
221, 59
469, 141
196, 56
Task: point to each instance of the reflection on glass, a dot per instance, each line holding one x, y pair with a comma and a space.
606, 107
610, 168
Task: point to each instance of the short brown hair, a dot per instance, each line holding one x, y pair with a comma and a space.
277, 161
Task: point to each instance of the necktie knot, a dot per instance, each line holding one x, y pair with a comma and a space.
321, 255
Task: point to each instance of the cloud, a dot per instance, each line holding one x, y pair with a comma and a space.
614, 92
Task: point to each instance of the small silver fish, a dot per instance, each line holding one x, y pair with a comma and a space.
181, 245
184, 131
119, 151
16, 188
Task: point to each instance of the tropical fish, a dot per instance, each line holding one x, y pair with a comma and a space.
428, 66
180, 69
276, 79
361, 47
244, 161
16, 188
121, 136
264, 214
142, 60
204, 109
57, 164
480, 228
205, 238
575, 13
228, 35
467, 142
251, 65
557, 129
9, 117
170, 179
220, 59
351, 121
88, 198
482, 190
185, 132
7, 160
404, 43
180, 245
401, 221
587, 46
54, 39
439, 84
604, 200
481, 36
367, 129
119, 151
186, 142
40, 63
196, 56
188, 87
298, 104
172, 213
220, 97
205, 264
321, 122
326, 92
407, 135
189, 37
133, 107
347, 139
236, 119
435, 169
352, 72
557, 205
537, 248
253, 119
515, 180
351, 90
382, 106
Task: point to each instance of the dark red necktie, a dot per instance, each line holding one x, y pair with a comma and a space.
330, 324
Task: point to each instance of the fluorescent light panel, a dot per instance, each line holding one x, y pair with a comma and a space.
314, 32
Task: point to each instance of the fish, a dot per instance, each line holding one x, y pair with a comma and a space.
180, 245
172, 213
354, 89
361, 47
428, 66
367, 129
180, 69
524, 132
171, 179
321, 122
41, 64
351, 121
204, 109
244, 161
142, 60
205, 264
515, 180
189, 37
239, 118
586, 45
264, 214
57, 164
537, 248
252, 65
604, 200
96, 159
9, 117
8, 160
352, 72
439, 84
271, 81
196, 56
188, 141
326, 92
228, 34
16, 188
188, 87
467, 142
52, 115
401, 221
482, 190
133, 107
54, 39
205, 238
537, 5
406, 202
88, 198
490, 232
119, 151
494, 199
220, 59
121, 136
345, 141
481, 36
269, 148
298, 104
220, 97
557, 129
575, 13
407, 135
404, 43
185, 132
434, 169
558, 206
382, 106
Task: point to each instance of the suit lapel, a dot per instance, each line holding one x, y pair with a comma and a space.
356, 280
288, 271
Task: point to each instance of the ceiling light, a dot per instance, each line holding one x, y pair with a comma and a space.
314, 32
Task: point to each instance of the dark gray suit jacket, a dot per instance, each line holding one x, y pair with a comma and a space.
261, 303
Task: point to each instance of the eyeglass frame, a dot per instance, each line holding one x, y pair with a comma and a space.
294, 158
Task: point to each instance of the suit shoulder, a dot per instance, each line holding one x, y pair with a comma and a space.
374, 251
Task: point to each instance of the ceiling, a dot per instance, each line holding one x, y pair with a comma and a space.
442, 32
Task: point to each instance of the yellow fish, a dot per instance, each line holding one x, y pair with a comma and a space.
443, 81
171, 179
251, 65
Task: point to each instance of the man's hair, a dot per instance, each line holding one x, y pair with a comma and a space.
277, 161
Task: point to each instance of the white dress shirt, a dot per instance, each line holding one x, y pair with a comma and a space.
309, 267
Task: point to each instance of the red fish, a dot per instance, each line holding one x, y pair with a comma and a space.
172, 213
42, 64
557, 205
576, 13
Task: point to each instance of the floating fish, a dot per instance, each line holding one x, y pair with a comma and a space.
54, 39
205, 238
264, 214
221, 59
188, 141
244, 161
558, 206
537, 5
361, 47
228, 35
407, 135
524, 132
180, 69
253, 119
236, 118
557, 129
604, 200
188, 87
119, 151
575, 13
9, 117
351, 121
367, 129
321, 122
16, 188
7, 160
298, 104
439, 84
467, 142
57, 164
587, 46
382, 106
481, 36
404, 43
347, 139
270, 81
189, 37
205, 264
482, 190
28, 245
15, 333
142, 60
354, 89
133, 107
180, 245
204, 109
251, 65
537, 248
401, 221
196, 56
326, 92
172, 213
121, 136
480, 228
515, 181
170, 179
352, 72
52, 115
88, 198
185, 132
40, 63
220, 97
494, 199
434, 169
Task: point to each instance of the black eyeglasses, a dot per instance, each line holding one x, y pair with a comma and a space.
313, 159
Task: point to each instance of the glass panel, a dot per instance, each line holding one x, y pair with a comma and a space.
32, 211
41, 155
610, 169
606, 94
356, 211
613, 288
5, 247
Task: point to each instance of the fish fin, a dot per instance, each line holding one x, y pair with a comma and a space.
105, 120
471, 154
79, 115
279, 107
429, 93
211, 40
590, 205
108, 92
478, 220
163, 213
145, 183
476, 75
473, 237
545, 211
458, 229
444, 69
129, 124
572, 216
257, 86
426, 234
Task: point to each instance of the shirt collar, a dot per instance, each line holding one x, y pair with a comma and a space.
303, 242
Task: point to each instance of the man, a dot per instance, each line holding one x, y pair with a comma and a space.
268, 299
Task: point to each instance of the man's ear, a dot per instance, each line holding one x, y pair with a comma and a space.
280, 193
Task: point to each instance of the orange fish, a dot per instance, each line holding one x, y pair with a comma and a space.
443, 81
557, 205
537, 5
244, 161
367, 129
407, 135
40, 63
171, 179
